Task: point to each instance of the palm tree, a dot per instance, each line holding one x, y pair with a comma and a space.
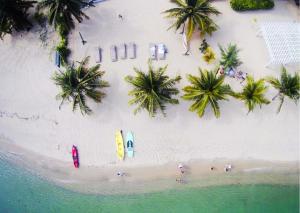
152, 90
287, 85
80, 82
229, 56
61, 12
13, 16
196, 14
206, 89
253, 93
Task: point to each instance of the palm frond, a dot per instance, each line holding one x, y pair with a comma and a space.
229, 56
197, 15
209, 56
77, 83
14, 16
63, 12
206, 88
253, 93
152, 90
287, 85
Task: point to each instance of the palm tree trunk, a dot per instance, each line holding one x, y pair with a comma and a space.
61, 103
187, 49
276, 96
186, 44
183, 28
281, 102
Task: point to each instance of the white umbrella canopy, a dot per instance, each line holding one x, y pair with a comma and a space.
283, 42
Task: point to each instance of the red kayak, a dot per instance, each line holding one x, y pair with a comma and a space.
75, 156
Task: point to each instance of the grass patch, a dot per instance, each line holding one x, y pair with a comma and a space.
243, 5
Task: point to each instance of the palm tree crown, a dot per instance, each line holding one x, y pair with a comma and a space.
152, 90
61, 12
13, 15
287, 85
253, 93
229, 56
206, 89
196, 13
81, 82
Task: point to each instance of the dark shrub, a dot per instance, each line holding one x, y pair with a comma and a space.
62, 47
40, 18
203, 46
63, 31
242, 5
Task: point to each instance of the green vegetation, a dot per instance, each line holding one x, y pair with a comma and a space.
40, 18
206, 89
77, 83
229, 56
209, 56
64, 52
203, 46
62, 47
152, 90
14, 16
196, 13
62, 12
287, 86
242, 5
253, 93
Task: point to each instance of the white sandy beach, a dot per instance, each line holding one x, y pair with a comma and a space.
30, 118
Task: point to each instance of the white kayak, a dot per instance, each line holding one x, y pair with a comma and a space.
129, 144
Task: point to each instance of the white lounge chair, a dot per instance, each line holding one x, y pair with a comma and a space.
131, 50
122, 52
161, 51
97, 1
153, 51
98, 55
113, 53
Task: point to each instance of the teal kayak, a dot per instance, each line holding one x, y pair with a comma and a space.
129, 144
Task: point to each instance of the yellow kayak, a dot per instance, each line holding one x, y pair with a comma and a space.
120, 145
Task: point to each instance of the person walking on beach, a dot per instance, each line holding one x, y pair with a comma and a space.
181, 169
120, 174
120, 17
227, 167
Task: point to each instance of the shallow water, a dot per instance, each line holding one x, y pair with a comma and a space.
23, 192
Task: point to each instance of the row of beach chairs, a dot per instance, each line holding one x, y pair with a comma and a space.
157, 51
123, 51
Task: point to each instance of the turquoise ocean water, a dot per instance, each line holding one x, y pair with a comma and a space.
20, 191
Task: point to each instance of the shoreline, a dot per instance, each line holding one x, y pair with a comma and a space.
146, 179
